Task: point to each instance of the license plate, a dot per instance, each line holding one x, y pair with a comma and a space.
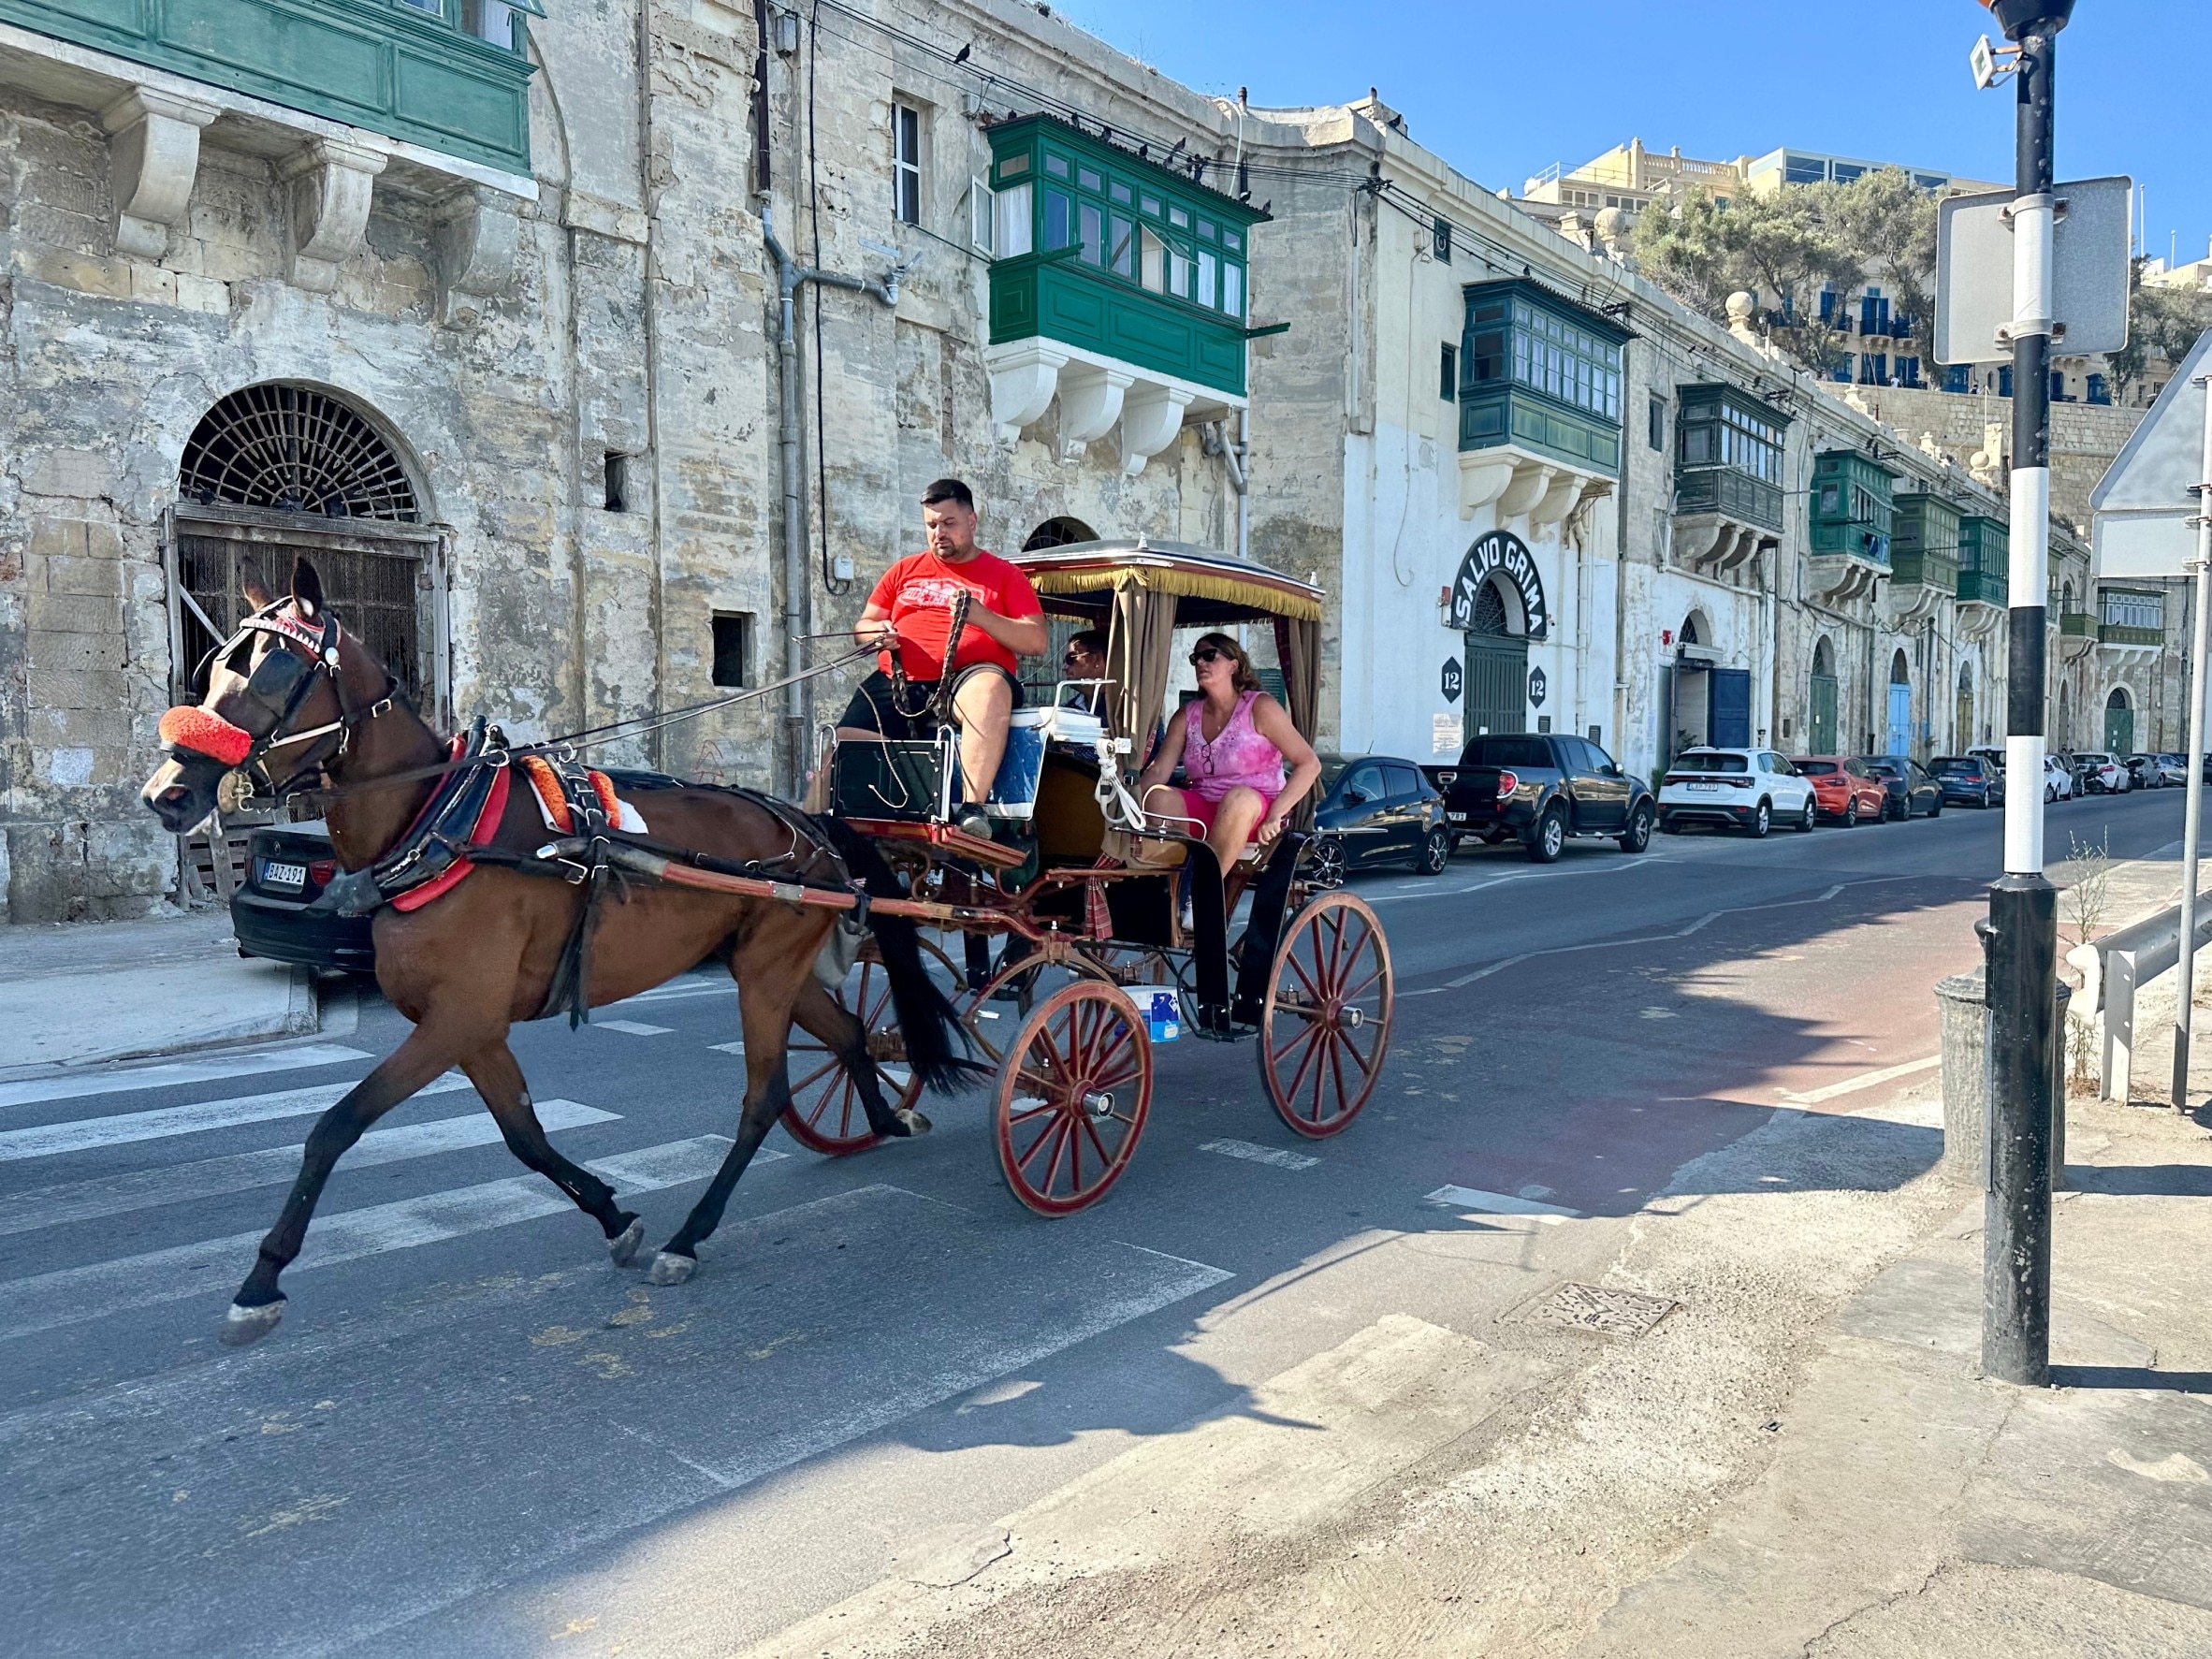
1705, 788
283, 875
1457, 817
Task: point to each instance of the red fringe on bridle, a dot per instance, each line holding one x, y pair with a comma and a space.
188, 726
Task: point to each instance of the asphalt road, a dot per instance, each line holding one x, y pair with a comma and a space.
472, 1434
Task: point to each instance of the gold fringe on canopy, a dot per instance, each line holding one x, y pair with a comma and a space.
1264, 597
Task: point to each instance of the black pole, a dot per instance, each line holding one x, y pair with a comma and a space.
2022, 929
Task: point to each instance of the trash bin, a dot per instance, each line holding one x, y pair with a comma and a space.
1965, 1020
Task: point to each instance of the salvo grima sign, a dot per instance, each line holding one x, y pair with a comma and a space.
1506, 555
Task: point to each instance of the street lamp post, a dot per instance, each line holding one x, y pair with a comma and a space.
2021, 932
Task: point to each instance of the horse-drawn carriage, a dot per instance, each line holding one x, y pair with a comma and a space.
583, 898
1081, 884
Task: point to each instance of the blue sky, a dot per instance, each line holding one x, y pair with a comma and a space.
1503, 90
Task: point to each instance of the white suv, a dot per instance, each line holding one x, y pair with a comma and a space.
1745, 789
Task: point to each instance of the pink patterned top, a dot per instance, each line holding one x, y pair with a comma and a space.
1240, 757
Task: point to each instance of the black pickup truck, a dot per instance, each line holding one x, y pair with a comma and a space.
1543, 787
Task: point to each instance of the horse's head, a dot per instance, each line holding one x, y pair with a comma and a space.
272, 705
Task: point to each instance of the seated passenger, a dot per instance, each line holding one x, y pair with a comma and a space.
1233, 740
913, 607
1086, 660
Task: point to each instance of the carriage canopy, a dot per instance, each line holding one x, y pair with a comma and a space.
1141, 591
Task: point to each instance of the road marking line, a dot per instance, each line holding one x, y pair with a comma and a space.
1499, 1203
76, 1294
727, 1048
1261, 1155
177, 1184
632, 1028
172, 1072
675, 989
1864, 1080
83, 1133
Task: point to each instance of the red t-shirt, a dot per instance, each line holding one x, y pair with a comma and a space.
917, 592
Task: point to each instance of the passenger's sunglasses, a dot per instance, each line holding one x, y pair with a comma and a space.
1205, 655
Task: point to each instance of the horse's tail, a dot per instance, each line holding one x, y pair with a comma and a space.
937, 1048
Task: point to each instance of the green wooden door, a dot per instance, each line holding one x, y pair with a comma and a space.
1823, 714
1498, 683
2120, 727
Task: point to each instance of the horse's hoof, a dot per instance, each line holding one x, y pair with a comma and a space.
672, 1269
622, 1247
242, 1327
911, 1123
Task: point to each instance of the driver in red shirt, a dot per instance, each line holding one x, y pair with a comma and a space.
913, 607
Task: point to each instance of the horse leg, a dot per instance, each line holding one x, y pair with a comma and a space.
259, 1303
499, 1079
772, 985
822, 1017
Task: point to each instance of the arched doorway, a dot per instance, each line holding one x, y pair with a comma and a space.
1058, 532
1498, 663
276, 471
1900, 705
2120, 722
1822, 696
1962, 716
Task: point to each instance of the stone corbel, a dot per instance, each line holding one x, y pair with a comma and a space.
1705, 544
1090, 403
1023, 379
1483, 477
1531, 480
1558, 497
477, 239
152, 157
329, 183
1151, 416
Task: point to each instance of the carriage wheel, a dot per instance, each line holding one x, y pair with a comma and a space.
825, 1114
1072, 1096
1327, 1018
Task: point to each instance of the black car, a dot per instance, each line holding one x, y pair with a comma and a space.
1910, 791
1543, 787
287, 866
1965, 781
1381, 810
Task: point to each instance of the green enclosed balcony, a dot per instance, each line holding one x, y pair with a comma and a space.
1981, 586
1118, 283
1853, 507
449, 74
1727, 478
1924, 543
2132, 617
1984, 560
1540, 374
2076, 625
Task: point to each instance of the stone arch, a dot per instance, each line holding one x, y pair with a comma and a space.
1696, 630
296, 447
1824, 657
1962, 716
1900, 668
1060, 532
2120, 721
1496, 613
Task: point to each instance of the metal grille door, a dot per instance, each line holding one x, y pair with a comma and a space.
374, 594
1497, 684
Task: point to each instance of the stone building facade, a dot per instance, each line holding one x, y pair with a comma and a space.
507, 359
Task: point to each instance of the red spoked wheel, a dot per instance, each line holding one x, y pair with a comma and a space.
825, 1114
1326, 1022
1072, 1096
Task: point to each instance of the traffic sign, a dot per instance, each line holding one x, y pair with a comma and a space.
1975, 304
2140, 510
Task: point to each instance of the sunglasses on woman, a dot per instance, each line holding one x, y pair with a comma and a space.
1205, 655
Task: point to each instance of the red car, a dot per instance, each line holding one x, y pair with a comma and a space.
1843, 789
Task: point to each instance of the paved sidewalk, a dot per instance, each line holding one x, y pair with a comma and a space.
77, 993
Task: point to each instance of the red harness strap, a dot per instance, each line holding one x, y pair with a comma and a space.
486, 825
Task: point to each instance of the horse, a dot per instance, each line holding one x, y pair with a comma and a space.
294, 696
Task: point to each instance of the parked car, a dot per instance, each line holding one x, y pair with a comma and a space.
1913, 792
1992, 758
1745, 789
2102, 774
1965, 780
287, 866
1542, 787
2143, 771
2058, 778
1844, 790
2172, 769
1382, 811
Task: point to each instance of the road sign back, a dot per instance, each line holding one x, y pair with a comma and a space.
2088, 271
2141, 508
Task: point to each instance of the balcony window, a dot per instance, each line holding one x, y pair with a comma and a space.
1729, 456
1873, 369
906, 163
1958, 377
1539, 371
2005, 381
1853, 505
2100, 389
2123, 609
1010, 215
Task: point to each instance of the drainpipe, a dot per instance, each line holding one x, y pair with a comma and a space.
790, 276
1214, 440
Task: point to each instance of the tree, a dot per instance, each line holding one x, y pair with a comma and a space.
1889, 224
2163, 325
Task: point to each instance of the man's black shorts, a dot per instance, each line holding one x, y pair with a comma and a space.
874, 708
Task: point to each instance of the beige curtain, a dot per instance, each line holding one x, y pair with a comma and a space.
1139, 647
1298, 651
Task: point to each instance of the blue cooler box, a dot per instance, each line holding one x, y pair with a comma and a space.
1014, 791
1161, 1010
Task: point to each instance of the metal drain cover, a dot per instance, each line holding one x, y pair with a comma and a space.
1606, 1309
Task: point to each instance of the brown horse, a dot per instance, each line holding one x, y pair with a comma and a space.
469, 963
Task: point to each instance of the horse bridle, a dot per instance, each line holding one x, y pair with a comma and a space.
280, 682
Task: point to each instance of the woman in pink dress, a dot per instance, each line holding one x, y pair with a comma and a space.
1233, 740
